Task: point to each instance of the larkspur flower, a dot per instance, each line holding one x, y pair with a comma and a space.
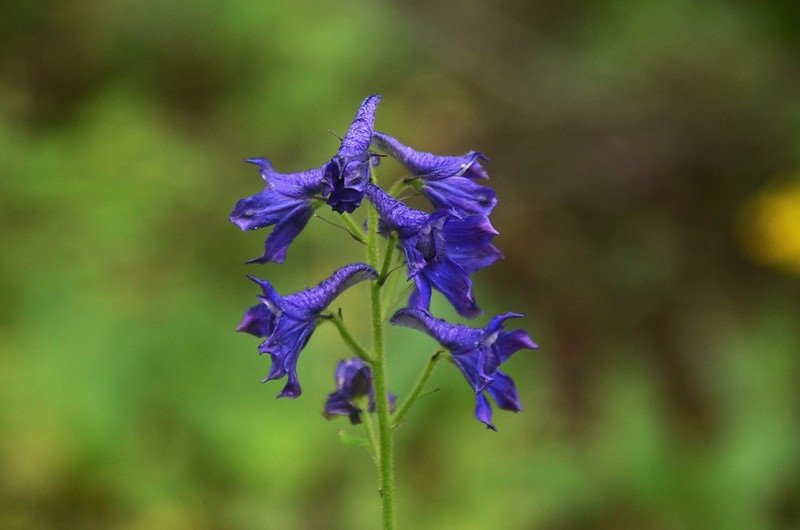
285, 202
447, 181
441, 249
353, 379
478, 353
288, 322
348, 171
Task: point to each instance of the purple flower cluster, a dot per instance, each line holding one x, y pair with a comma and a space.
441, 248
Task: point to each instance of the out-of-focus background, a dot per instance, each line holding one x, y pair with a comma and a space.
647, 160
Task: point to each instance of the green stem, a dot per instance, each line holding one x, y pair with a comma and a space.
400, 415
348, 339
369, 428
385, 451
396, 187
355, 230
387, 259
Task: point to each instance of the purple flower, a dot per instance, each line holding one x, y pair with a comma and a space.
285, 203
441, 249
447, 181
353, 380
288, 322
478, 353
348, 171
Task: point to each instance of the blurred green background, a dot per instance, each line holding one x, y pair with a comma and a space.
647, 160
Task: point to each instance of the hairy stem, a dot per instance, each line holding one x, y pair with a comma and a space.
397, 187
387, 259
369, 429
385, 428
356, 231
423, 379
351, 342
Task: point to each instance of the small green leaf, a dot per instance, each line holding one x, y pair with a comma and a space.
351, 440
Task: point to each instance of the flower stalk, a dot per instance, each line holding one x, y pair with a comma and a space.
385, 427
347, 337
369, 430
387, 259
356, 231
421, 382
